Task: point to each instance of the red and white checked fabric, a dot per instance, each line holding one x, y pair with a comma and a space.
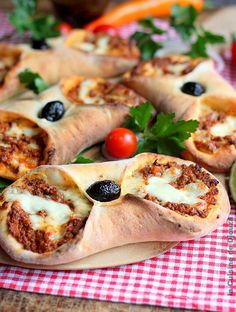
195, 274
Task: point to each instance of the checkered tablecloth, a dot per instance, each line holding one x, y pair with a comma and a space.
196, 274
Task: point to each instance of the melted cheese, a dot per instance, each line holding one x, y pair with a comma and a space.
20, 158
84, 92
228, 127
177, 68
57, 214
17, 130
161, 188
101, 46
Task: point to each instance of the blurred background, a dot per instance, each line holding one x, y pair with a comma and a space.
88, 9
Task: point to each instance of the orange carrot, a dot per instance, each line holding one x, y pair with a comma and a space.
134, 10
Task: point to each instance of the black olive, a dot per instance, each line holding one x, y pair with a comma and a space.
104, 191
39, 44
53, 111
193, 88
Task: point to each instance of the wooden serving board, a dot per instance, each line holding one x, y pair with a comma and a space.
126, 254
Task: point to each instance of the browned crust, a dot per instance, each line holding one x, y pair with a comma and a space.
128, 219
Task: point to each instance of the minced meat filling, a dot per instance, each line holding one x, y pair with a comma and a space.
107, 93
17, 149
38, 241
189, 174
176, 66
41, 237
101, 43
207, 142
39, 187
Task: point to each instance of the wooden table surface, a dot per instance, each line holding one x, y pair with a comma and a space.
13, 301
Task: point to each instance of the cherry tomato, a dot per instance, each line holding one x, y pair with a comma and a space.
233, 51
111, 30
64, 28
121, 143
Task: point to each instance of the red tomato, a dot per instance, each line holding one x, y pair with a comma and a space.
111, 30
121, 143
233, 51
64, 28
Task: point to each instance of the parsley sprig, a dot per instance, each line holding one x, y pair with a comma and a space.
32, 81
144, 39
24, 18
184, 20
165, 136
80, 159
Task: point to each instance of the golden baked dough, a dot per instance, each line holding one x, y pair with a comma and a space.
49, 217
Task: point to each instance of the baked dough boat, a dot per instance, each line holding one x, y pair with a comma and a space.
36, 131
170, 83
81, 53
59, 214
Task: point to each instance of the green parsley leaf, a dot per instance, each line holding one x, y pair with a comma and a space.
20, 18
144, 41
140, 117
198, 48
146, 45
148, 23
183, 20
32, 81
212, 38
166, 136
44, 27
24, 18
80, 159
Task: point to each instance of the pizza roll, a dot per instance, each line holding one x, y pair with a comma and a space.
81, 53
58, 124
192, 89
59, 214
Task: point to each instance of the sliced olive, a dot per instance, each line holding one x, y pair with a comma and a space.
53, 111
193, 88
104, 191
39, 44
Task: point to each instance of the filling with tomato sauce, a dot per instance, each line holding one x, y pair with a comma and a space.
21, 147
216, 130
169, 65
186, 189
98, 91
8, 58
43, 216
104, 44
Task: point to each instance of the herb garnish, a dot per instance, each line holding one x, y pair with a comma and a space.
165, 136
184, 20
24, 18
80, 159
144, 40
32, 81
